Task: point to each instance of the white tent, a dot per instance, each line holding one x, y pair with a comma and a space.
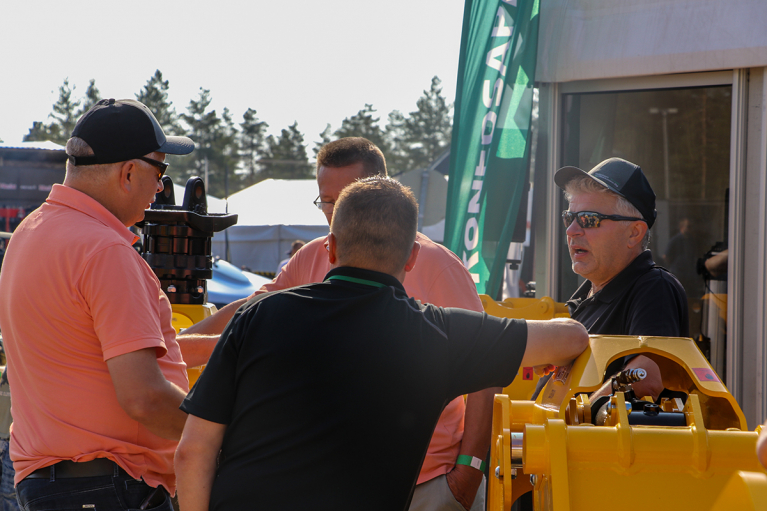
272, 214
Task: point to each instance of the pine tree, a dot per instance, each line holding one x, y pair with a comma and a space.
40, 132
224, 158
285, 156
155, 96
203, 125
65, 111
92, 96
363, 124
326, 137
64, 117
422, 136
252, 145
397, 159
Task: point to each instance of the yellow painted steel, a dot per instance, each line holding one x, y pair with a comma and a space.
185, 316
709, 463
524, 308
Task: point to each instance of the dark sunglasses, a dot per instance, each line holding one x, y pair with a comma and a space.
588, 219
161, 165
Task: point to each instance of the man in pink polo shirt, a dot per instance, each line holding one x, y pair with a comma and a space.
95, 371
451, 470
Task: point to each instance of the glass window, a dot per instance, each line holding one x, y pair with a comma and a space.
681, 139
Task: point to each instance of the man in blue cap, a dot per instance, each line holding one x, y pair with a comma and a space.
611, 210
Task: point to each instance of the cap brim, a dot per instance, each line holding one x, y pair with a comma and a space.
567, 174
177, 145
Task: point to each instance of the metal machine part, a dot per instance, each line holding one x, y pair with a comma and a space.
177, 241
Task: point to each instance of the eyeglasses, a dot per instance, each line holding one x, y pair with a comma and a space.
588, 219
161, 165
325, 207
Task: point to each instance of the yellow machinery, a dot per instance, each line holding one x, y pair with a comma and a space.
184, 316
621, 451
524, 308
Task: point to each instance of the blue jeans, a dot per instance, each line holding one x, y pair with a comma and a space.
8, 500
118, 492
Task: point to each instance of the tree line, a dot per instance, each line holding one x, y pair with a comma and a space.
235, 155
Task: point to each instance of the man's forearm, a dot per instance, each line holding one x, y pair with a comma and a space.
195, 480
215, 324
464, 480
478, 422
196, 348
162, 415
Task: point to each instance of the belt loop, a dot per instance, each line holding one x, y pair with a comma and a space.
53, 473
116, 470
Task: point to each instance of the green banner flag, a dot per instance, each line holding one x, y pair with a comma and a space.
490, 147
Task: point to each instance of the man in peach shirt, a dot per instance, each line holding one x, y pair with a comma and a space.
96, 373
452, 469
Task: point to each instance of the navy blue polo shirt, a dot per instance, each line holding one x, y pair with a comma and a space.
331, 391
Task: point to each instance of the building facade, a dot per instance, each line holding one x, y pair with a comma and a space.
680, 88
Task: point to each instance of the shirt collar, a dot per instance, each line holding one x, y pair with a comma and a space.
363, 277
77, 200
641, 264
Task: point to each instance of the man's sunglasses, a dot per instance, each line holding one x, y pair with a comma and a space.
588, 219
161, 165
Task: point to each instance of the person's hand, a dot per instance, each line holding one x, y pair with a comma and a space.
544, 370
464, 482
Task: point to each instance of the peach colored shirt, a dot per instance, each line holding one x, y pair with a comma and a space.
439, 278
73, 294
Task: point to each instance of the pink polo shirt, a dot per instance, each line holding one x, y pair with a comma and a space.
439, 278
73, 294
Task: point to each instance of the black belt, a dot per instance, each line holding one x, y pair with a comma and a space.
69, 469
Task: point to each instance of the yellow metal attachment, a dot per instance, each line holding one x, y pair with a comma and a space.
707, 461
185, 316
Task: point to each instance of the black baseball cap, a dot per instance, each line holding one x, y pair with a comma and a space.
621, 177
121, 130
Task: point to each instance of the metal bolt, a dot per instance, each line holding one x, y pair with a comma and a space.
498, 472
513, 473
533, 479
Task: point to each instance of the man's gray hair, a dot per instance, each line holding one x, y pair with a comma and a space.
78, 147
584, 184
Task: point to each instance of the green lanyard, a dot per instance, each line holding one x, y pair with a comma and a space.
356, 280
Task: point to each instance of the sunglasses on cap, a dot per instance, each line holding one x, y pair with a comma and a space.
161, 165
588, 219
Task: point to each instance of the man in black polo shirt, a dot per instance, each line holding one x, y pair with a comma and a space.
611, 211
325, 396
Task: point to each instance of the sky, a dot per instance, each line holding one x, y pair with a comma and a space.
315, 62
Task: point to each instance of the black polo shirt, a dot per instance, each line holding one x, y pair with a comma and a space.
331, 391
643, 299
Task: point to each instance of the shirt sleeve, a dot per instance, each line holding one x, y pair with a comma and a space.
454, 287
485, 351
295, 271
122, 296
